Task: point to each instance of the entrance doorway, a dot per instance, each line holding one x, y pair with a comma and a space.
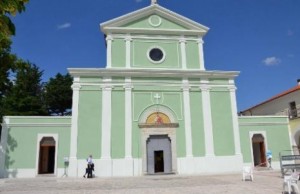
259, 150
159, 155
47, 156
159, 161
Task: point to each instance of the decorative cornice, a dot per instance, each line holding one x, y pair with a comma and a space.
109, 38
37, 125
263, 123
116, 24
76, 86
232, 88
205, 88
137, 72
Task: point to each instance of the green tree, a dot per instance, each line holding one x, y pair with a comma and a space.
58, 94
8, 8
25, 97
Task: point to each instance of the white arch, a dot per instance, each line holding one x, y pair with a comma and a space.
153, 108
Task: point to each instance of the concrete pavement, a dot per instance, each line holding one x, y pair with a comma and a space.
265, 182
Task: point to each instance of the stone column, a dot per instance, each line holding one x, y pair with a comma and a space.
128, 40
187, 118
201, 54
128, 118
74, 129
182, 42
207, 120
236, 130
109, 40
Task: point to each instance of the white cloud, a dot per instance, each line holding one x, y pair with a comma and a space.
269, 61
64, 26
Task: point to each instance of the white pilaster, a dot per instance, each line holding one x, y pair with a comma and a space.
207, 120
187, 118
182, 42
3, 143
201, 54
74, 129
106, 122
236, 131
109, 40
128, 40
128, 118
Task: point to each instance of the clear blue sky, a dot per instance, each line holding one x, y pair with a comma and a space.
259, 38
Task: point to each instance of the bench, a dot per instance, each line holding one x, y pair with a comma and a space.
289, 163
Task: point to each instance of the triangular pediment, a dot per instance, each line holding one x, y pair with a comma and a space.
154, 19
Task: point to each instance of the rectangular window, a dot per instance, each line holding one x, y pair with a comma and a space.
293, 110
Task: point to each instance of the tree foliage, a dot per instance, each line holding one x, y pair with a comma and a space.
58, 94
25, 97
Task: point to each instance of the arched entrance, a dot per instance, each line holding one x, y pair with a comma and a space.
259, 150
47, 155
158, 134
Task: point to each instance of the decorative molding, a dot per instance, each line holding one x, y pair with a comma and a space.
145, 72
76, 86
155, 24
205, 88
263, 124
156, 47
38, 125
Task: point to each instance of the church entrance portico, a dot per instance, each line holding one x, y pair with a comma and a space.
158, 140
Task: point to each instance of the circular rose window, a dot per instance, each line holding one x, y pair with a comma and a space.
156, 55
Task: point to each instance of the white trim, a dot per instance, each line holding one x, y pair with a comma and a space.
109, 40
182, 42
74, 130
187, 118
201, 53
40, 125
235, 123
251, 134
151, 22
40, 136
145, 134
145, 72
128, 119
157, 10
39, 117
106, 123
207, 119
153, 108
128, 40
262, 124
3, 145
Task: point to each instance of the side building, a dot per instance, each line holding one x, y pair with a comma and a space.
153, 109
286, 103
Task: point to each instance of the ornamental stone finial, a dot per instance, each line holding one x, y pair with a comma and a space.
153, 2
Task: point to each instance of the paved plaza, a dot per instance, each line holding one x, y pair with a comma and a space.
265, 182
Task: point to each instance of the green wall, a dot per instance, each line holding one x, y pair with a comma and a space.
118, 123
89, 122
277, 134
22, 143
222, 123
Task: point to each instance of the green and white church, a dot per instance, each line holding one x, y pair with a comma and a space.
154, 109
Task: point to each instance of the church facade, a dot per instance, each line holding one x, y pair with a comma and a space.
154, 109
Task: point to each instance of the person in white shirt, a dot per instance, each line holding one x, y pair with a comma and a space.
90, 167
